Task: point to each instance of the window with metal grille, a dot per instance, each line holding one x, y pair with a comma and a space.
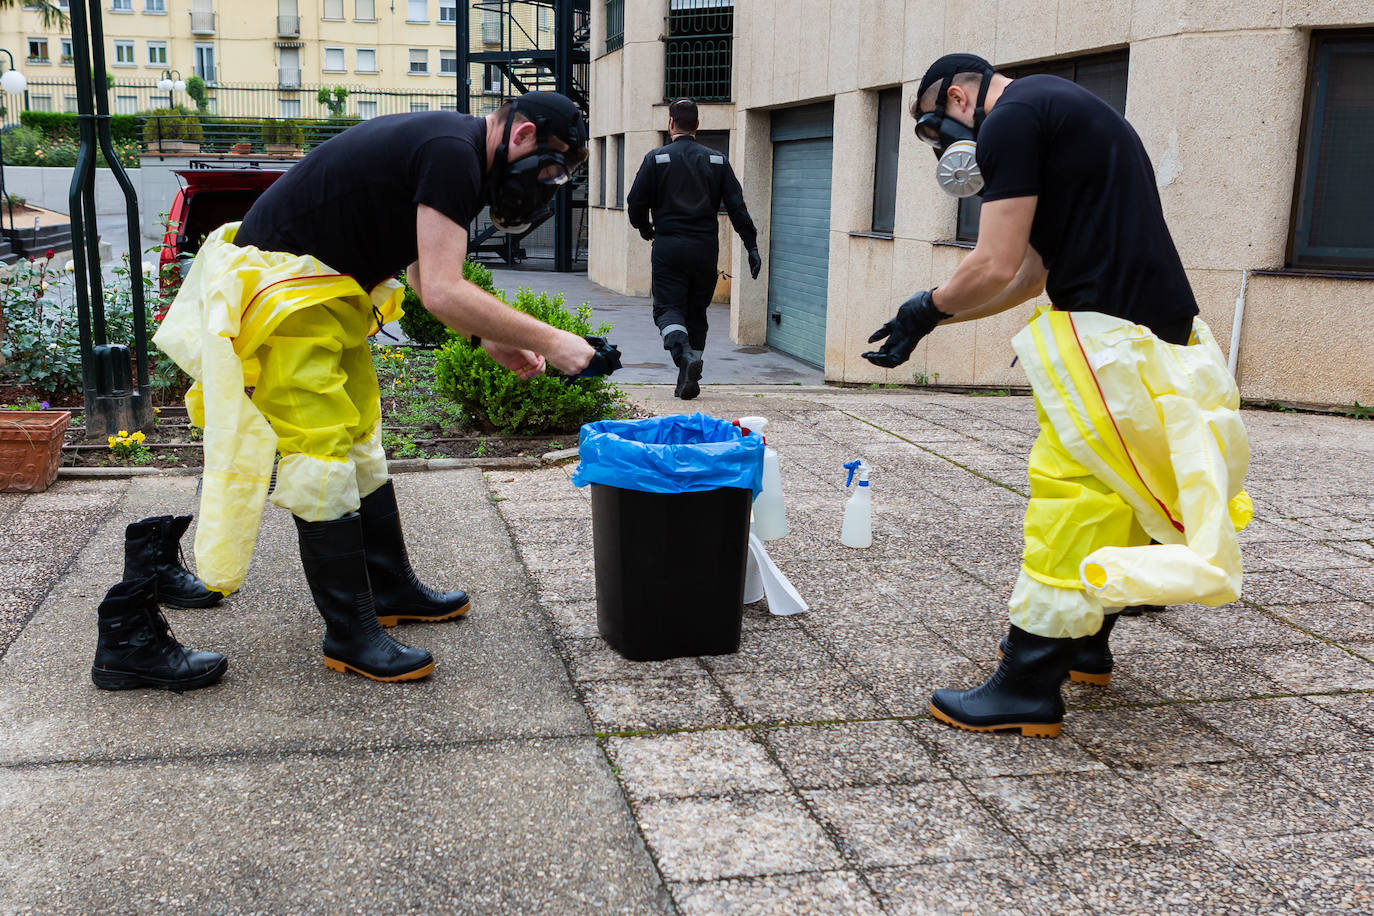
698, 49
1334, 197
615, 25
885, 160
491, 26
1104, 75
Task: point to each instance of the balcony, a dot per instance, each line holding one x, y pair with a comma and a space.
491, 31
202, 22
288, 27
288, 79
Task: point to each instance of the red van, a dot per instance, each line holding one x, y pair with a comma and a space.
209, 198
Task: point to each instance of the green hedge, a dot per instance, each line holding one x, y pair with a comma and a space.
423, 328
59, 125
171, 124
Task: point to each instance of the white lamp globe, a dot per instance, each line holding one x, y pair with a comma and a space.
13, 82
164, 84
179, 85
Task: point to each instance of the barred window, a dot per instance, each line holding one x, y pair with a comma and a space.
1332, 229
615, 25
699, 49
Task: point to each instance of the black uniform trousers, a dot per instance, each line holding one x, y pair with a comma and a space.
684, 280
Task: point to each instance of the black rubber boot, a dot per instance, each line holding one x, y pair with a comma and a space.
336, 568
399, 596
689, 365
1022, 694
152, 547
136, 648
1092, 664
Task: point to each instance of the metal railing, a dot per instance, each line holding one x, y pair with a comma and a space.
699, 50
288, 26
202, 22
615, 25
288, 78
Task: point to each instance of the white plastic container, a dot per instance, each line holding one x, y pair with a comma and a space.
770, 515
857, 530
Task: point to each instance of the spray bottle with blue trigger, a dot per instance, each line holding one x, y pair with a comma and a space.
858, 511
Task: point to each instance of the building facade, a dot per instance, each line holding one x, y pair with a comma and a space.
1258, 116
268, 58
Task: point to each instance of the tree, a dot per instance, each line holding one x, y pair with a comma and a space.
195, 88
50, 15
332, 99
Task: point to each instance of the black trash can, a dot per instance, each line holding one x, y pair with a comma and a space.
670, 570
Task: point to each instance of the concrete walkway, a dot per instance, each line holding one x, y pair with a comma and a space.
1229, 767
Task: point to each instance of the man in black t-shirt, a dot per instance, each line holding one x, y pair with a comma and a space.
1121, 370
284, 303
682, 185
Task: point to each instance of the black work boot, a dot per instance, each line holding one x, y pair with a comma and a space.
397, 593
1022, 694
336, 568
136, 647
152, 547
689, 365
1092, 664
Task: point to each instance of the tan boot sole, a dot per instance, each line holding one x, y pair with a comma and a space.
335, 665
1028, 729
394, 619
1083, 677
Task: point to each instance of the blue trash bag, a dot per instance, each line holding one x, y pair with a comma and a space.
677, 454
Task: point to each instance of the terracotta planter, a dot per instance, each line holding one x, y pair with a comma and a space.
30, 448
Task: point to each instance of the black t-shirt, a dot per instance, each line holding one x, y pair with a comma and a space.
351, 202
1098, 222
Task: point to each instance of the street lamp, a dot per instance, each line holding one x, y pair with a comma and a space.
171, 80
11, 83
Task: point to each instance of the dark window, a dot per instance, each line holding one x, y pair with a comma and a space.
615, 25
885, 160
620, 170
1104, 75
601, 168
698, 49
1332, 226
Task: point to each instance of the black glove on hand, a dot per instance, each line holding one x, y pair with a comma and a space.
605, 361
755, 263
647, 233
916, 318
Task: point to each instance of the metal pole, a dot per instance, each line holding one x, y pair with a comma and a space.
84, 160
463, 27
562, 74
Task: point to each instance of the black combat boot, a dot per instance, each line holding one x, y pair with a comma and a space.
136, 648
1092, 664
336, 568
689, 365
1022, 694
152, 547
397, 593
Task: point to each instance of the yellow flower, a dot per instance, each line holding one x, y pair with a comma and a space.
157, 410
112, 442
123, 433
139, 437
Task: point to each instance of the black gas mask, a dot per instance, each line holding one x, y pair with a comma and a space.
954, 143
518, 191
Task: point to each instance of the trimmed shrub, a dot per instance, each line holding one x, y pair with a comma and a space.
422, 327
498, 400
196, 89
284, 132
59, 125
171, 124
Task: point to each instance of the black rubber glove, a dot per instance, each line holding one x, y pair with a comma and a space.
916, 318
605, 361
755, 263
647, 233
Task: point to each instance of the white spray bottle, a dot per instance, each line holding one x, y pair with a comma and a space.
770, 515
858, 511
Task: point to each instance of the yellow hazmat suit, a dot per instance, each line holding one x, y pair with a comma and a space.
295, 332
1139, 440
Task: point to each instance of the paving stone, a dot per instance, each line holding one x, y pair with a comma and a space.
1019, 886
657, 704
1343, 621
772, 650
1213, 674
1355, 708
1067, 811
1316, 669
907, 693
1315, 872
815, 894
1346, 780
696, 839
1232, 626
1152, 633
1125, 689
970, 755
857, 754
906, 648
1286, 587
1157, 736
1352, 583
594, 660
573, 619
715, 762
909, 825
807, 695
1238, 798
1284, 725
1304, 556
1148, 881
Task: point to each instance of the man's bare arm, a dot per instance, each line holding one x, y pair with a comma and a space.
1003, 238
1028, 283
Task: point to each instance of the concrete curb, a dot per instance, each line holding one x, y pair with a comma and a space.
396, 464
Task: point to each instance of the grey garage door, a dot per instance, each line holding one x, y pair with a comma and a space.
799, 234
